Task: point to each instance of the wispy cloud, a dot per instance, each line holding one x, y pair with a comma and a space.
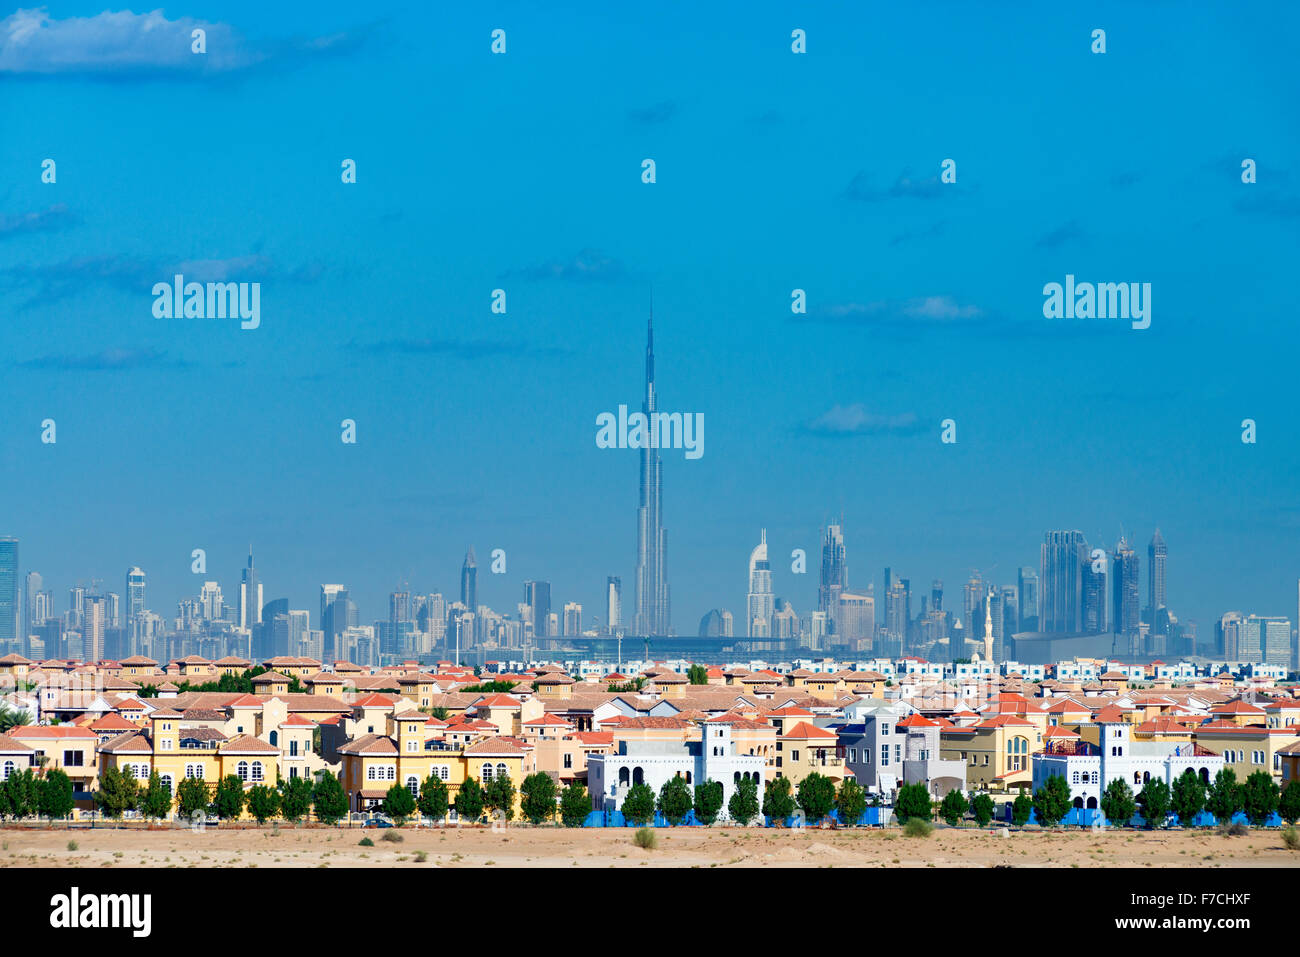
652, 115
109, 360
929, 232
54, 281
857, 419
925, 309
589, 265
123, 43
45, 220
906, 186
469, 349
1065, 233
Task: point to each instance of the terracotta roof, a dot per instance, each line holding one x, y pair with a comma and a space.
494, 747
247, 744
9, 746
51, 731
370, 744
133, 742
804, 730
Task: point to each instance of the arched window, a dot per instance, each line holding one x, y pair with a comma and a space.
241, 769
274, 737
413, 785
503, 771
1146, 776
1092, 803
486, 773
623, 775
638, 776
257, 770
1205, 775
167, 782
392, 773
737, 776
1137, 777
9, 769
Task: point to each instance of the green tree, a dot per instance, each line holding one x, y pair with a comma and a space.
1155, 800
440, 713
778, 801
11, 718
433, 801
708, 801
230, 797
329, 799
851, 802
913, 800
1021, 808
295, 798
399, 803
743, 806
816, 796
55, 794
1188, 797
1052, 801
1289, 804
639, 804
25, 793
698, 674
263, 802
499, 795
1224, 799
6, 806
982, 807
575, 805
191, 796
1117, 802
117, 792
953, 807
155, 799
469, 801
1259, 797
537, 797
675, 800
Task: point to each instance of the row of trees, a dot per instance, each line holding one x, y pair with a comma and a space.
24, 794
290, 798
1258, 797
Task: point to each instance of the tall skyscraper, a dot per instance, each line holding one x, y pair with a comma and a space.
1028, 599
537, 596
135, 581
1157, 557
1127, 601
469, 581
653, 615
572, 618
973, 606
31, 615
936, 595
9, 606
761, 602
614, 603
1095, 597
93, 625
250, 596
834, 574
333, 619
1063, 557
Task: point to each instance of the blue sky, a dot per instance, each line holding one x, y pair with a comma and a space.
775, 171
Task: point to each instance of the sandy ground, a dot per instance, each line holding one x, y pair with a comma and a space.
613, 847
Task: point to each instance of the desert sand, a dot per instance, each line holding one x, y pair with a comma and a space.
521, 846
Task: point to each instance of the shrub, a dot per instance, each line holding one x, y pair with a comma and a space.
73, 845
421, 856
366, 842
913, 802
645, 838
1291, 838
917, 827
392, 837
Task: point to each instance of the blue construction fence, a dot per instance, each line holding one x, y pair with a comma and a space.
871, 817
1087, 817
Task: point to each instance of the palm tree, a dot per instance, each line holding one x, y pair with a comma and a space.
10, 719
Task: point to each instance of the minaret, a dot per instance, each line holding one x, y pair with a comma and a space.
988, 625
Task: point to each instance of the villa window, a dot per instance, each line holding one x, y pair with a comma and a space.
167, 782
257, 770
413, 785
392, 774
241, 769
9, 769
504, 772
486, 773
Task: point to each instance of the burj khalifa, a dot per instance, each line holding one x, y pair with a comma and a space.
652, 605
